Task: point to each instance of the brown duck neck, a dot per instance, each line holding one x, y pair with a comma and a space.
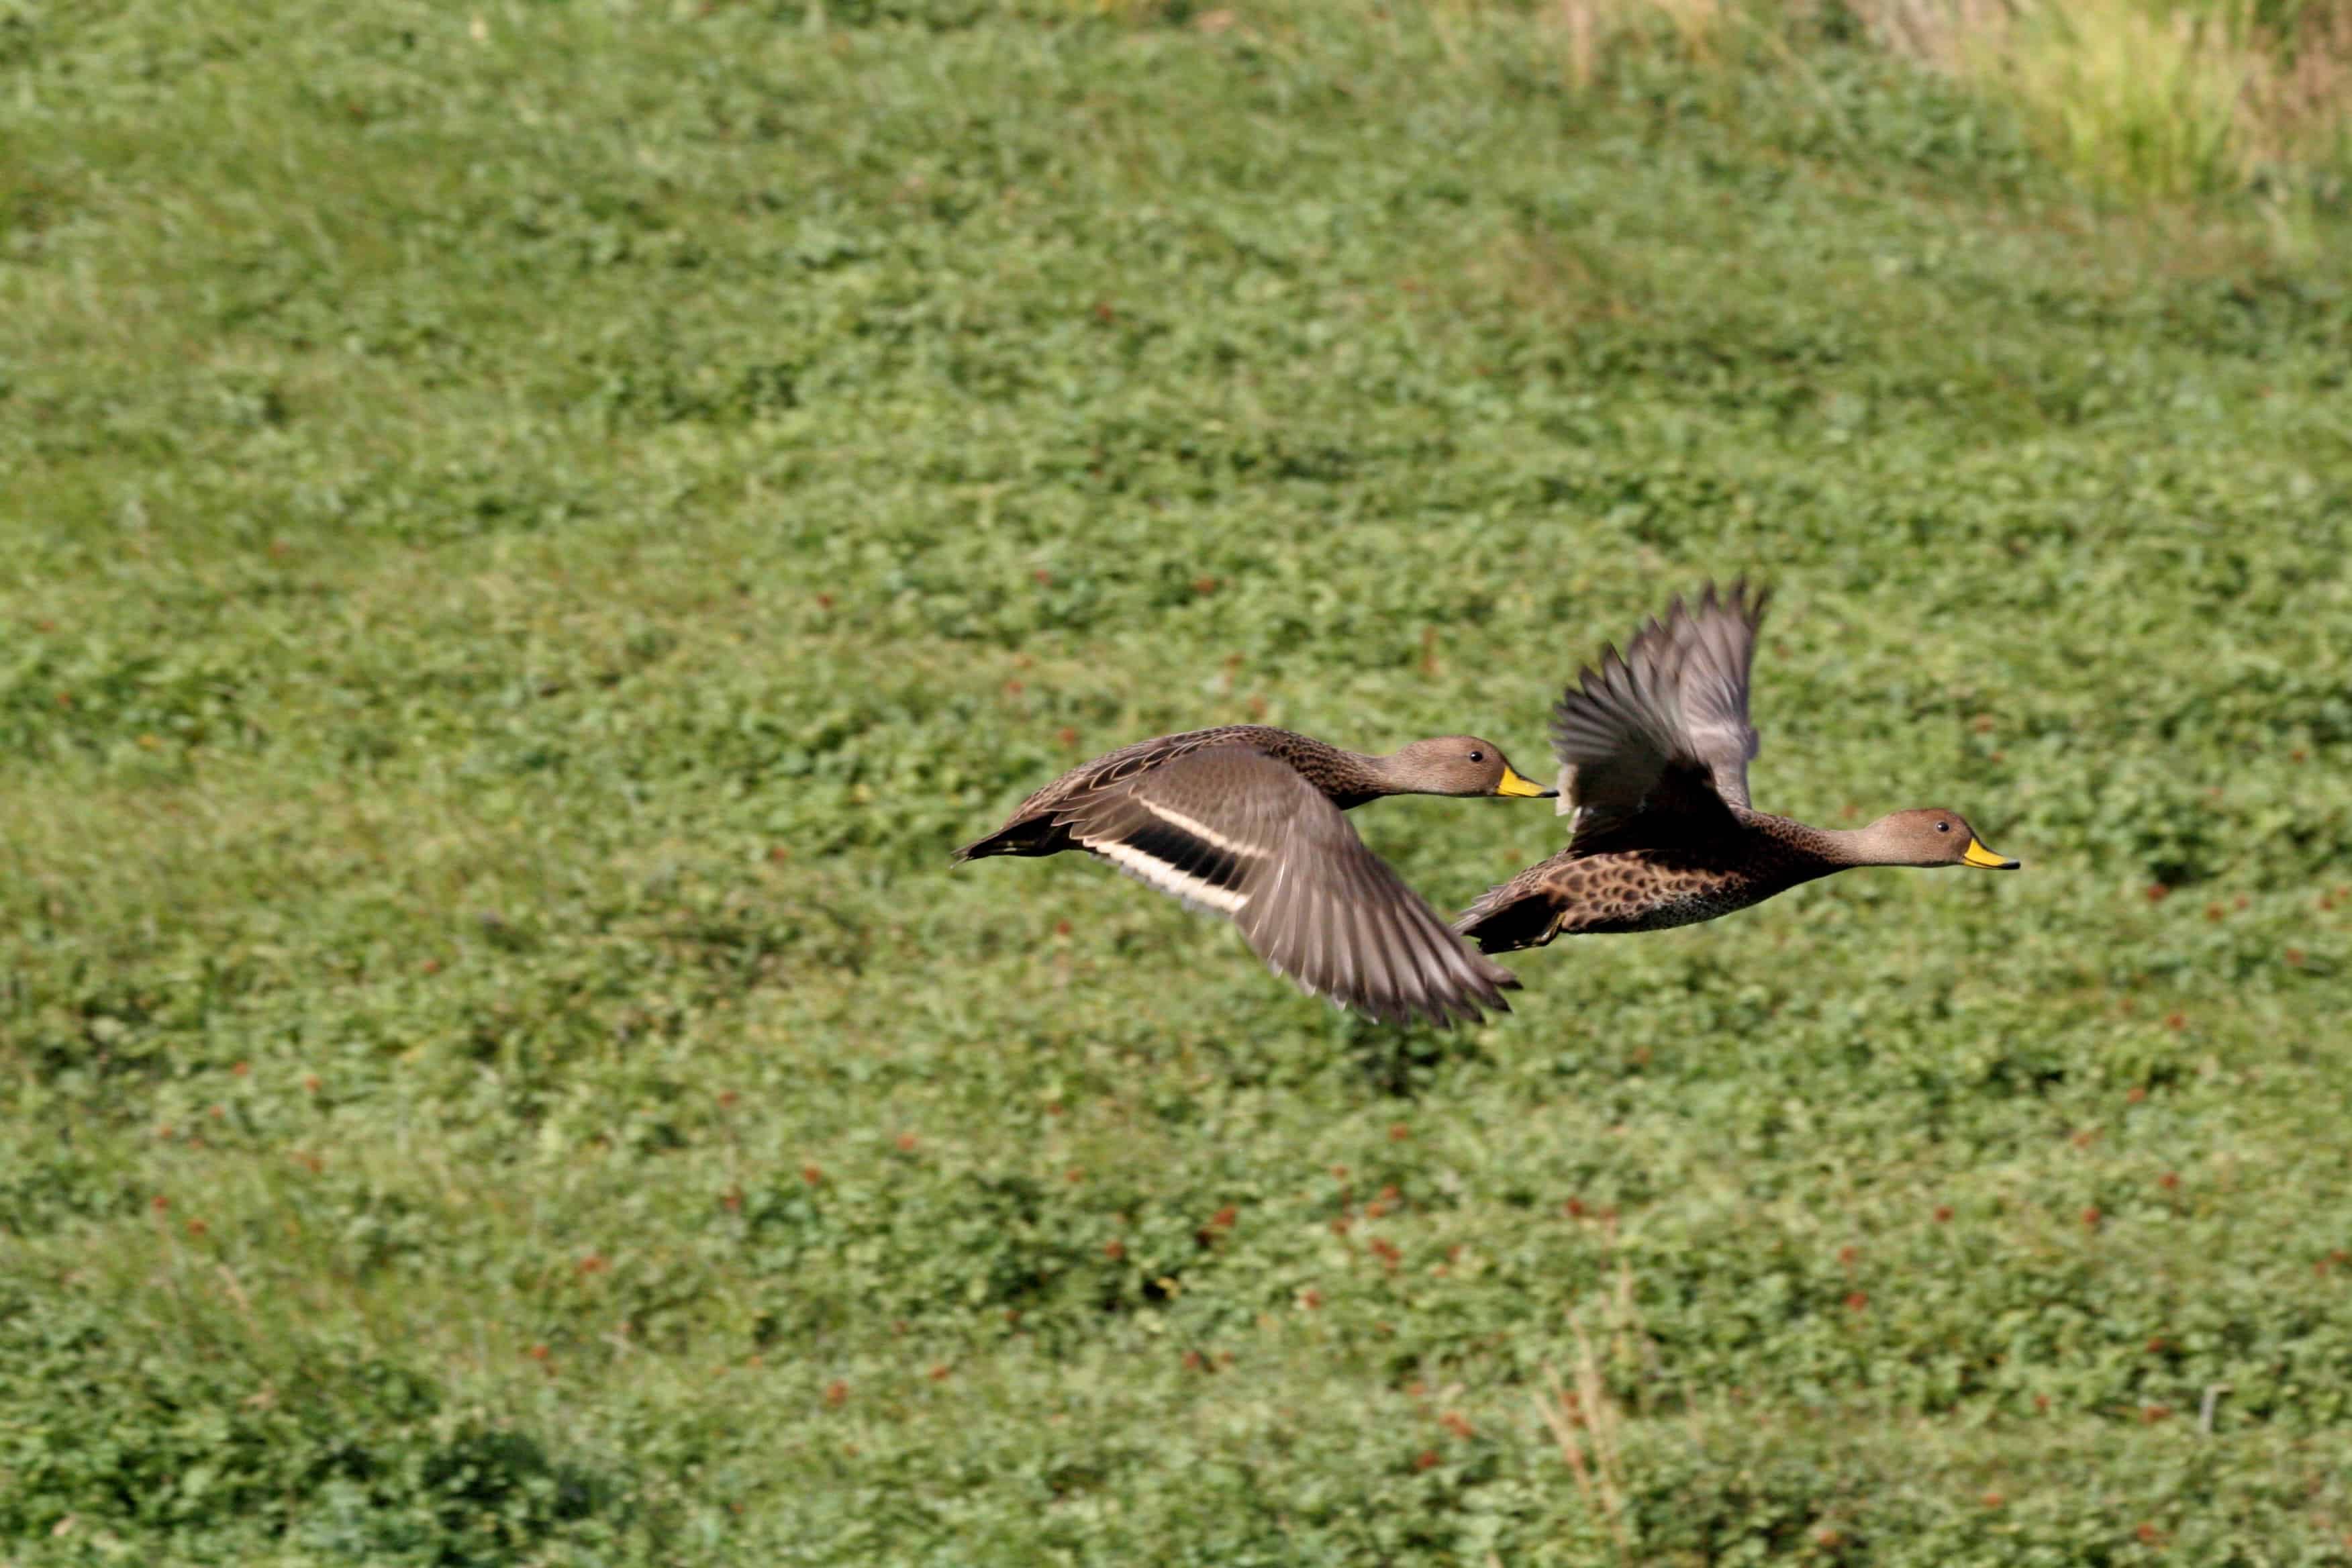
1837, 849
1348, 778
1357, 778
1819, 850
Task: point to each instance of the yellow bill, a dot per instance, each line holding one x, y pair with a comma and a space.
1976, 854
1514, 783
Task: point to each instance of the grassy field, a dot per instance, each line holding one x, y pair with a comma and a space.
530, 531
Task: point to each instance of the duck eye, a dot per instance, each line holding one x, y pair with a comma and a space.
1477, 756
1943, 828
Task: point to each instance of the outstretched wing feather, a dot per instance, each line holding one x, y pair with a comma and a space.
1631, 733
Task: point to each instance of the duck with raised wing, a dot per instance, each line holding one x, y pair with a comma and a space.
1245, 821
1654, 748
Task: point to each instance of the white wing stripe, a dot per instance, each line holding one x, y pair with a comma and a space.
1199, 829
1167, 877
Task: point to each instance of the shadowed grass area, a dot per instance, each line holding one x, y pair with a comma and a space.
529, 533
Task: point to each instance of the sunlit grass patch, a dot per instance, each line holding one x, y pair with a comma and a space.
2136, 99
2150, 99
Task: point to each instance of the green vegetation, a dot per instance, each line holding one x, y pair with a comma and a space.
531, 533
2160, 97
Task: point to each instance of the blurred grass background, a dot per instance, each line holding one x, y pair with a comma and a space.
530, 529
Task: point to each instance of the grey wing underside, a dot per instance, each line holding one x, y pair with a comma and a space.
1232, 830
1663, 726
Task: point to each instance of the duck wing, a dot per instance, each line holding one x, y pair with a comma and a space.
1231, 829
1654, 745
